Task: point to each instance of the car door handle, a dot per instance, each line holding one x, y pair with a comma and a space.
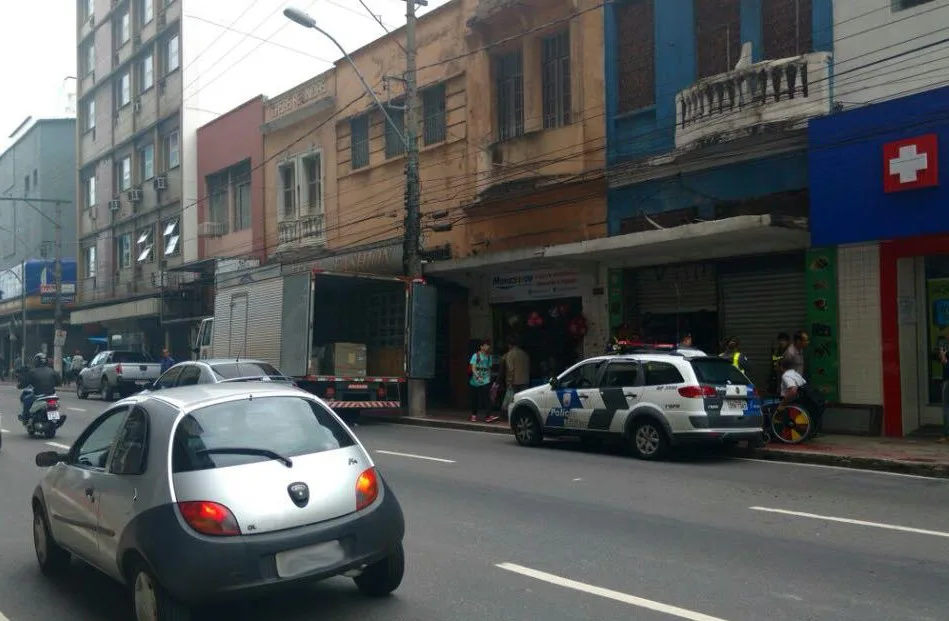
583, 396
629, 394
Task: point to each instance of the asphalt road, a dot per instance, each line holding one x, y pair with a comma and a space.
496, 531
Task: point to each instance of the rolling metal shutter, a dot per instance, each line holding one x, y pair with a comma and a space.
676, 288
756, 306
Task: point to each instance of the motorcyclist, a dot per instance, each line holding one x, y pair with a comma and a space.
43, 380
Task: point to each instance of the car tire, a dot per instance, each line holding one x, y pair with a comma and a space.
53, 560
151, 601
649, 439
526, 429
384, 576
80, 393
105, 390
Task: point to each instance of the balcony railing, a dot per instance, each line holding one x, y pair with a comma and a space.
722, 107
303, 230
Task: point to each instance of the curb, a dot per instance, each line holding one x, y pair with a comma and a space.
939, 471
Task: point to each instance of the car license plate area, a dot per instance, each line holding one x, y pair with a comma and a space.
300, 561
737, 405
52, 416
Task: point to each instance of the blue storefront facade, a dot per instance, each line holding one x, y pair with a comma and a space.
696, 146
880, 198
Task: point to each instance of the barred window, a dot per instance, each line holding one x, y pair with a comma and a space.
556, 79
509, 91
635, 53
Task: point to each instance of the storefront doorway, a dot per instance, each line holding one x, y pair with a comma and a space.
543, 328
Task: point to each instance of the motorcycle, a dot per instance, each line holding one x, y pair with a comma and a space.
44, 418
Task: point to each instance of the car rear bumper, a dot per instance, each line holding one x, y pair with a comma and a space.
197, 569
712, 429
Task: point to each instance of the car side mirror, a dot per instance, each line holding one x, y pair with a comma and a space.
154, 386
553, 382
50, 458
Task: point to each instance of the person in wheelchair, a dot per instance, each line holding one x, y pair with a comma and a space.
796, 391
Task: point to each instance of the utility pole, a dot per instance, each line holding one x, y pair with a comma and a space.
413, 219
58, 309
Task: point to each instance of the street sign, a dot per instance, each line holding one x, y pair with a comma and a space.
60, 339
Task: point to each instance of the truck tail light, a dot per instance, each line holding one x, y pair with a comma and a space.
209, 518
367, 489
118, 369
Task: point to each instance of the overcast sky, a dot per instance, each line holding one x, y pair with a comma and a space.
38, 48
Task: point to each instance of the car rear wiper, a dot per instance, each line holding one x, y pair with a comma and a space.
239, 450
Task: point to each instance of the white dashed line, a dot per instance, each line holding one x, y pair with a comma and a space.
617, 596
59, 446
76, 409
4, 431
828, 518
841, 468
413, 456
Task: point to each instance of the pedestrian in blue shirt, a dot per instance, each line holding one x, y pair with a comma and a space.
479, 380
166, 360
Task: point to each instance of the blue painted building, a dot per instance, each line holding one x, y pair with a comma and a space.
879, 195
707, 105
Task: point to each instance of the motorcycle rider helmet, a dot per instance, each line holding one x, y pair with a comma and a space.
39, 360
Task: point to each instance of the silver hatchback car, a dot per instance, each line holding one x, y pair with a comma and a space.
193, 494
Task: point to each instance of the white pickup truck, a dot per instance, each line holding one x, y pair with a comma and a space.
115, 373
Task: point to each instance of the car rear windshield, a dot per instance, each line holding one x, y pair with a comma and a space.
718, 372
130, 357
287, 426
234, 370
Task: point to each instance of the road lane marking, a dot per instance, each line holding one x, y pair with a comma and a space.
414, 456
624, 598
828, 518
4, 431
842, 468
59, 446
76, 409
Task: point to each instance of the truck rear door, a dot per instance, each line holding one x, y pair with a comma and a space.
296, 333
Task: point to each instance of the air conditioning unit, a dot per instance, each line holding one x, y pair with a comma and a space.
93, 213
162, 20
115, 204
210, 229
138, 104
135, 195
161, 182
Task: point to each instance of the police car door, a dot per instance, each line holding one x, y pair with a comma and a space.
572, 401
620, 390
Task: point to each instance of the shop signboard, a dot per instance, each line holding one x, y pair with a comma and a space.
823, 356
538, 285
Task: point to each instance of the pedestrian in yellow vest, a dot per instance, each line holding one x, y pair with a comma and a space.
733, 354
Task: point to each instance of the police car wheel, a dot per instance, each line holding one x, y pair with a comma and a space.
526, 429
649, 440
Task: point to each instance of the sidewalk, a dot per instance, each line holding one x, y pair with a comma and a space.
913, 455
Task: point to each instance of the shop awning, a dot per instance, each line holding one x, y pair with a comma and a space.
716, 239
147, 307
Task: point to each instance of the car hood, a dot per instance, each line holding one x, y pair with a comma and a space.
536, 391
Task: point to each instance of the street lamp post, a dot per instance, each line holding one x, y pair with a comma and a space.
412, 255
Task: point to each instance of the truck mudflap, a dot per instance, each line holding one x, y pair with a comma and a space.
356, 393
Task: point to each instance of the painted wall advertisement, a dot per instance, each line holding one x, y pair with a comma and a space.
823, 356
538, 285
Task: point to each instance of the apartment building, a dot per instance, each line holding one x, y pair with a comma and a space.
38, 166
150, 73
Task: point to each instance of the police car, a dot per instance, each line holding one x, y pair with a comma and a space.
654, 399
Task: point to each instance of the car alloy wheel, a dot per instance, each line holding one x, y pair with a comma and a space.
39, 539
526, 430
146, 601
649, 440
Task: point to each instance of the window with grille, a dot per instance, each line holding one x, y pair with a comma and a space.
242, 210
717, 36
171, 237
555, 72
509, 94
433, 111
123, 250
395, 146
359, 141
90, 261
145, 243
635, 55
786, 28
218, 201
902, 5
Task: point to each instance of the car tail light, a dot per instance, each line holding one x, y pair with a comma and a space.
118, 369
209, 518
381, 392
367, 489
697, 392
330, 393
52, 404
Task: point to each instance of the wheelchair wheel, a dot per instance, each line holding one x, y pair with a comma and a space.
791, 426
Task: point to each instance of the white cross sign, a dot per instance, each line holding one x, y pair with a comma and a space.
909, 164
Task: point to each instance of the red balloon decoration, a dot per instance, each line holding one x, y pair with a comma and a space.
535, 320
578, 327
